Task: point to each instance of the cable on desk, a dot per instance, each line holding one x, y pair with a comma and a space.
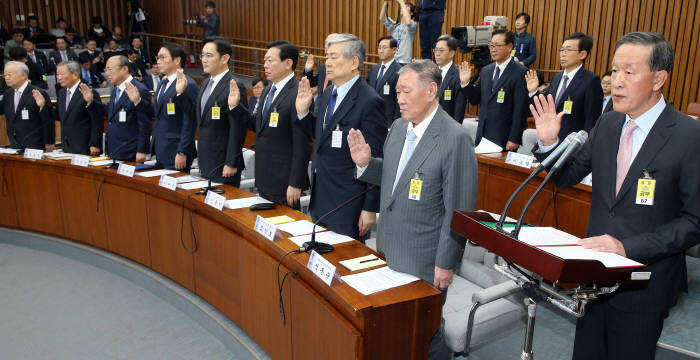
544, 212
5, 185
280, 285
182, 224
98, 191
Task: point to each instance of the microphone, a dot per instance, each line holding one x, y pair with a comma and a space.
323, 248
579, 140
543, 165
115, 164
25, 137
204, 190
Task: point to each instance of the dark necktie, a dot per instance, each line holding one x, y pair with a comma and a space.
163, 85
268, 101
565, 80
206, 94
379, 78
331, 108
495, 79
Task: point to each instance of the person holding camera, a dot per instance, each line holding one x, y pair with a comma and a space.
210, 21
403, 30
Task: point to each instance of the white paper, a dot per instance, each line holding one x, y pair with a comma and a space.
609, 260
154, 173
245, 202
102, 162
486, 147
327, 237
197, 185
370, 282
546, 236
188, 179
301, 227
9, 151
498, 217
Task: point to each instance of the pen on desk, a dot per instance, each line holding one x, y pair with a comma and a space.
369, 260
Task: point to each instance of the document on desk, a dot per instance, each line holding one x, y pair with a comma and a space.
154, 173
59, 155
546, 236
498, 216
10, 151
609, 260
245, 202
370, 282
327, 237
300, 227
197, 185
188, 179
487, 147
102, 162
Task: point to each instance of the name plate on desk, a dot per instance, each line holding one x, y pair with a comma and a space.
126, 170
215, 200
265, 228
35, 154
168, 182
521, 160
80, 160
321, 267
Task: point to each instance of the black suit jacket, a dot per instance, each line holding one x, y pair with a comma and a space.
334, 180
587, 96
35, 132
498, 122
41, 61
390, 78
95, 77
281, 153
81, 125
220, 141
35, 75
125, 139
456, 104
55, 58
656, 235
608, 106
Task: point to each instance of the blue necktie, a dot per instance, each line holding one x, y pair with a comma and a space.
268, 101
379, 78
331, 108
86, 75
495, 79
410, 146
163, 85
116, 95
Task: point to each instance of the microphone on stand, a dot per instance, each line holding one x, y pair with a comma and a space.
204, 190
323, 248
556, 153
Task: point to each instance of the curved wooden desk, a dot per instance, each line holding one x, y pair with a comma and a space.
231, 266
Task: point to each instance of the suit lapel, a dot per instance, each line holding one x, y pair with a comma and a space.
261, 105
74, 100
205, 83
655, 140
341, 110
571, 85
116, 105
393, 68
24, 101
217, 90
275, 103
502, 79
488, 79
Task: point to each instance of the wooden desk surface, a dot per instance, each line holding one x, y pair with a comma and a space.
218, 256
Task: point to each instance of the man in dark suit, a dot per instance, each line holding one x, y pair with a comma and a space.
113, 49
128, 127
577, 92
80, 112
210, 22
502, 93
606, 85
38, 57
259, 84
221, 130
153, 80
35, 77
96, 55
645, 142
349, 104
452, 100
383, 77
138, 66
89, 73
173, 131
60, 54
27, 110
282, 148
137, 44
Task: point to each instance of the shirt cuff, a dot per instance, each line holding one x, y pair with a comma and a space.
543, 149
360, 170
532, 93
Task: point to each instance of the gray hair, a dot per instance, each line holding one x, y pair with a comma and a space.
353, 46
20, 66
427, 71
661, 56
72, 66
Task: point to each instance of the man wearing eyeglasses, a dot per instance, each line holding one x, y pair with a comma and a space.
502, 93
384, 76
451, 99
577, 91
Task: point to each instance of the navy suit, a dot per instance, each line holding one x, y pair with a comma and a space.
455, 104
81, 125
173, 134
34, 132
389, 79
334, 171
92, 77
587, 96
500, 122
656, 235
148, 81
251, 104
125, 139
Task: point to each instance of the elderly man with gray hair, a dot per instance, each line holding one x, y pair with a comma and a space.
348, 103
27, 110
428, 171
80, 112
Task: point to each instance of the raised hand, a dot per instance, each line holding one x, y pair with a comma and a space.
547, 121
465, 73
132, 92
309, 65
39, 98
87, 93
228, 171
532, 81
181, 83
359, 149
234, 95
304, 97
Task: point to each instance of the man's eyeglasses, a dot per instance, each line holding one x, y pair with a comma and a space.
493, 46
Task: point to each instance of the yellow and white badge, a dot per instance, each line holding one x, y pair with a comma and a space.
170, 106
501, 96
416, 186
215, 112
447, 94
568, 105
274, 118
645, 190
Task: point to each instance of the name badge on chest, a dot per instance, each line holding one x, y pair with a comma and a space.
274, 118
415, 188
447, 95
645, 189
25, 114
568, 105
170, 106
387, 89
122, 116
215, 112
337, 138
501, 96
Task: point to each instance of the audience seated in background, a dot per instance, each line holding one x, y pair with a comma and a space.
113, 49
74, 40
35, 76
137, 44
118, 36
98, 32
32, 28
37, 57
60, 54
16, 41
89, 73
60, 29
258, 85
